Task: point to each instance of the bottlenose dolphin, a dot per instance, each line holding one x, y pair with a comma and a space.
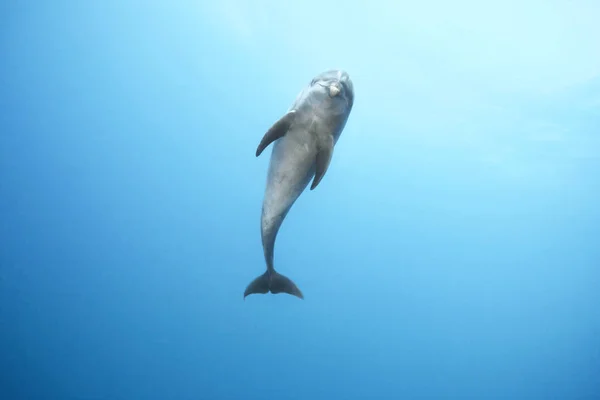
303, 141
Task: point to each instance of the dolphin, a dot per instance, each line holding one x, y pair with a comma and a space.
303, 141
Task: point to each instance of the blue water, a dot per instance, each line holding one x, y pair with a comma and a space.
452, 250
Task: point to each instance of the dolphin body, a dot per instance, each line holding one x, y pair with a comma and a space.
303, 141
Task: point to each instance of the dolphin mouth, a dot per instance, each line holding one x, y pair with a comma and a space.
334, 90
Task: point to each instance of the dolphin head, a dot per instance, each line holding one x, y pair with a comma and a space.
335, 87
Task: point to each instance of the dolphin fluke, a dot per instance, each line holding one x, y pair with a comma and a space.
274, 282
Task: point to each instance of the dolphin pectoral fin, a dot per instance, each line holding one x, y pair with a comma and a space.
323, 160
273, 282
277, 131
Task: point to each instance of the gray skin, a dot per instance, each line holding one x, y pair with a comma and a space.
303, 141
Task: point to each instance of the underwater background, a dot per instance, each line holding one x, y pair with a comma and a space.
452, 250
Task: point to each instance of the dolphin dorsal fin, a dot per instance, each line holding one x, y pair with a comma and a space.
277, 131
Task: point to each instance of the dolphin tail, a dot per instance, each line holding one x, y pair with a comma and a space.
274, 282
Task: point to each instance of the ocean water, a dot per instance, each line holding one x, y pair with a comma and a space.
452, 250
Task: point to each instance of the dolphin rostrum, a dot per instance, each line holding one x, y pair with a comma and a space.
303, 141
